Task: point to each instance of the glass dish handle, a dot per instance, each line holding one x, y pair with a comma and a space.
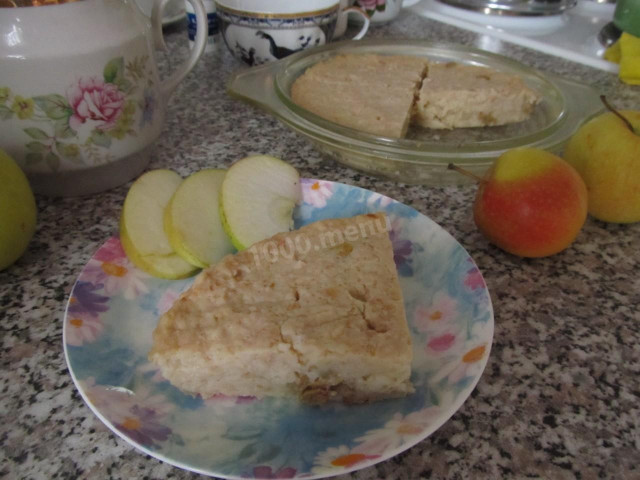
256, 86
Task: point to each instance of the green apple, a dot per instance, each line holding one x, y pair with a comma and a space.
192, 219
257, 199
606, 154
17, 211
531, 203
142, 226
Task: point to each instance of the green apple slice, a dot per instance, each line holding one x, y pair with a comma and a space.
142, 226
192, 219
170, 266
257, 199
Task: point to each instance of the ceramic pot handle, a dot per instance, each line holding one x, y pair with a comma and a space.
169, 84
365, 20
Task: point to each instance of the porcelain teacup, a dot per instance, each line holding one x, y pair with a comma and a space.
383, 11
81, 101
256, 31
347, 9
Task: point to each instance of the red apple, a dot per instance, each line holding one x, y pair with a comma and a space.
531, 203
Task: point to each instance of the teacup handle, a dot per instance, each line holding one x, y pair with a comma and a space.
365, 20
168, 85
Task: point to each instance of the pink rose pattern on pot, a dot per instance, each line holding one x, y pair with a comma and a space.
106, 106
371, 6
93, 99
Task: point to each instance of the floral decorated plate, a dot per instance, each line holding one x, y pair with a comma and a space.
114, 307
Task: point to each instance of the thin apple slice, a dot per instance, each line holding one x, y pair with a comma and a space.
142, 226
192, 219
170, 266
257, 199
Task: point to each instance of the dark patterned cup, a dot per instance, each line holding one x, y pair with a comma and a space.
257, 31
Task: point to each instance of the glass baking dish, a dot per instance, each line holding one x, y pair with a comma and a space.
422, 157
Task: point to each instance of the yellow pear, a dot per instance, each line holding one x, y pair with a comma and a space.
606, 153
17, 211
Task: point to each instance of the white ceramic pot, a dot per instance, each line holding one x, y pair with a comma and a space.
175, 10
81, 102
258, 31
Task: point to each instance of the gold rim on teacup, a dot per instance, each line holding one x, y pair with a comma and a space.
314, 13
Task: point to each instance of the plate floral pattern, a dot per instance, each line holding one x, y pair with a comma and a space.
114, 307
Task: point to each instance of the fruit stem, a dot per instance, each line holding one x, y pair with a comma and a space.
603, 99
469, 174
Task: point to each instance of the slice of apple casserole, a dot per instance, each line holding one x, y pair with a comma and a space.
315, 313
455, 95
368, 92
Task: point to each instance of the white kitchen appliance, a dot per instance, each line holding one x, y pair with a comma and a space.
565, 28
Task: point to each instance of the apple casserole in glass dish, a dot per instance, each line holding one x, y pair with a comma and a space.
422, 155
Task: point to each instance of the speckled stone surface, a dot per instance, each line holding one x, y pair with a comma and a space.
560, 397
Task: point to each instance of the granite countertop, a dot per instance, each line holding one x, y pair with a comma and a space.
559, 397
